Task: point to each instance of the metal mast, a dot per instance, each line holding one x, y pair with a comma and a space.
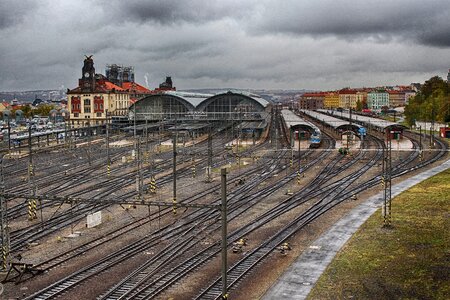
386, 180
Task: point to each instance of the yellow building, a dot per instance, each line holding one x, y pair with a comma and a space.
331, 100
4, 106
350, 98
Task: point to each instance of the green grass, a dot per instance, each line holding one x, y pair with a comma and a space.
409, 261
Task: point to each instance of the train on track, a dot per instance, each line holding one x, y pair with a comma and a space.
315, 140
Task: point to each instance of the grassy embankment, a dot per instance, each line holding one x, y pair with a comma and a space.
409, 261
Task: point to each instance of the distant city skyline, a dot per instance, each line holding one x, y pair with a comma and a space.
248, 44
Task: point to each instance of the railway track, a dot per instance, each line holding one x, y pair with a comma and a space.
142, 291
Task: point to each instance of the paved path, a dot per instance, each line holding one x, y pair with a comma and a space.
298, 280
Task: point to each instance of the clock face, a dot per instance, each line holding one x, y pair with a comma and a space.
86, 74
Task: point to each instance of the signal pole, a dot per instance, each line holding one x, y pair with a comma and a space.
386, 180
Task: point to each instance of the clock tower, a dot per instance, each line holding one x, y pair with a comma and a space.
87, 81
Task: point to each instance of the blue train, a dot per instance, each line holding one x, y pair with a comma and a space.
315, 140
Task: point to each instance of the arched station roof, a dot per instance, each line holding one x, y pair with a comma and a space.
195, 104
188, 101
231, 100
295, 122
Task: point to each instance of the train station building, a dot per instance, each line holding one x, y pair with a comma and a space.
97, 94
232, 107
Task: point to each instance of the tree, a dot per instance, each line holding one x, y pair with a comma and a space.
359, 105
43, 110
26, 110
431, 103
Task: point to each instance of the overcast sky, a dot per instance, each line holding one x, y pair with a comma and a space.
288, 44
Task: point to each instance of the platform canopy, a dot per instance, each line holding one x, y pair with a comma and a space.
295, 122
366, 121
336, 123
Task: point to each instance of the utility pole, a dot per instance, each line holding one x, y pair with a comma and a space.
134, 119
146, 134
174, 171
9, 136
299, 149
432, 125
223, 174
139, 168
386, 180
209, 154
420, 143
253, 136
69, 138
237, 143
65, 131
292, 144
4, 230
89, 142
159, 135
108, 159
31, 202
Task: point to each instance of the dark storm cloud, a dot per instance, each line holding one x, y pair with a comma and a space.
12, 12
425, 22
234, 43
177, 11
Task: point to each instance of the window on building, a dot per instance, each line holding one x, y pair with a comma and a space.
87, 106
99, 115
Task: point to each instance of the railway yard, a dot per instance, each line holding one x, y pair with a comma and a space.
160, 231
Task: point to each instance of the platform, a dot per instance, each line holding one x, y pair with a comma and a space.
298, 280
